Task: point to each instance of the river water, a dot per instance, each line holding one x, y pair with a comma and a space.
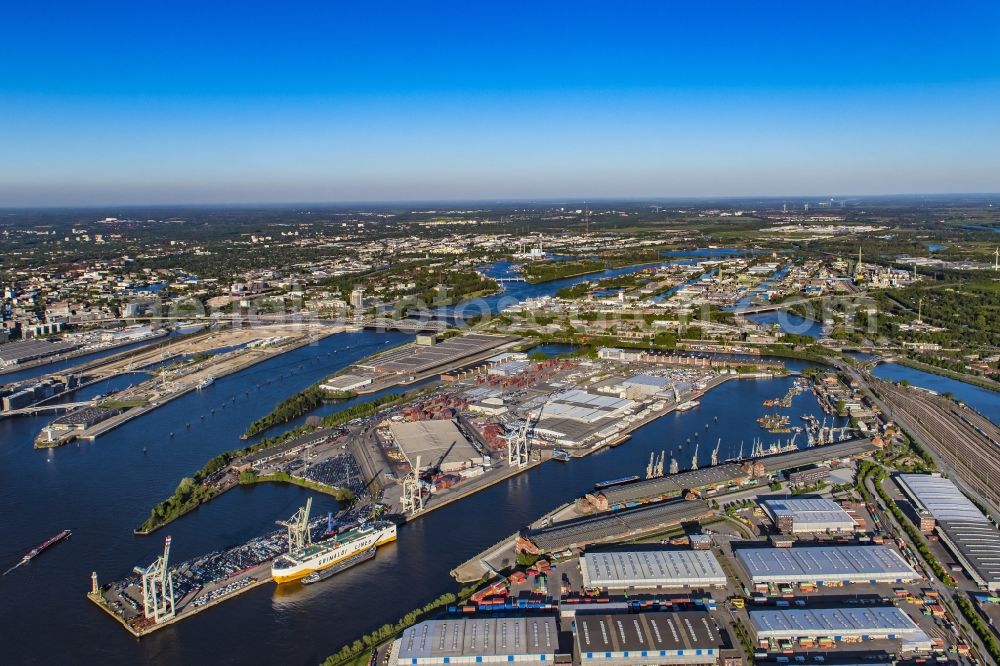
985, 401
103, 489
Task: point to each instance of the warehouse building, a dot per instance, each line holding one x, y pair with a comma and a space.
614, 525
438, 443
345, 383
821, 565
644, 386
648, 638
15, 353
521, 640
586, 407
674, 485
509, 368
651, 569
572, 417
814, 455
962, 527
825, 627
797, 515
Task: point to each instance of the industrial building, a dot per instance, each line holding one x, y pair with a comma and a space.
437, 443
797, 515
807, 476
585, 406
416, 359
345, 383
673, 485
651, 569
23, 351
509, 368
644, 386
521, 640
648, 638
724, 475
571, 417
828, 626
613, 525
824, 564
817, 454
962, 527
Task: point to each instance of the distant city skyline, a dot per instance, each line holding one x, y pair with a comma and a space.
191, 104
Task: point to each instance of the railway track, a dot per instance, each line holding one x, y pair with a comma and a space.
965, 439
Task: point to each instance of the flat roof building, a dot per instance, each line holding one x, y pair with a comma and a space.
968, 534
435, 441
838, 624
940, 497
798, 515
643, 386
613, 525
820, 564
651, 569
648, 638
23, 351
521, 640
345, 383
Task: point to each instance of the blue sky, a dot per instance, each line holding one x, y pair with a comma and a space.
221, 102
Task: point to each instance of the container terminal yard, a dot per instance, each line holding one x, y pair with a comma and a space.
487, 423
155, 596
494, 420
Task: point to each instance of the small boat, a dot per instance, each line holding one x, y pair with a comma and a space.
205, 383
685, 406
323, 574
616, 482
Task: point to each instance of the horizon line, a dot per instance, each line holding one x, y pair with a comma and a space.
501, 201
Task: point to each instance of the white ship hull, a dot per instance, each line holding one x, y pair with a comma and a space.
329, 552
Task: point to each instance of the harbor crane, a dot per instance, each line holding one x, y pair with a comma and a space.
298, 527
412, 500
518, 450
674, 466
654, 469
694, 458
715, 453
157, 588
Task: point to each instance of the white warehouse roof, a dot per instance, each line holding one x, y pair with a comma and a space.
810, 514
647, 380
524, 640
941, 497
651, 568
856, 564
885, 621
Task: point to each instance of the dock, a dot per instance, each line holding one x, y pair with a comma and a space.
226, 364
